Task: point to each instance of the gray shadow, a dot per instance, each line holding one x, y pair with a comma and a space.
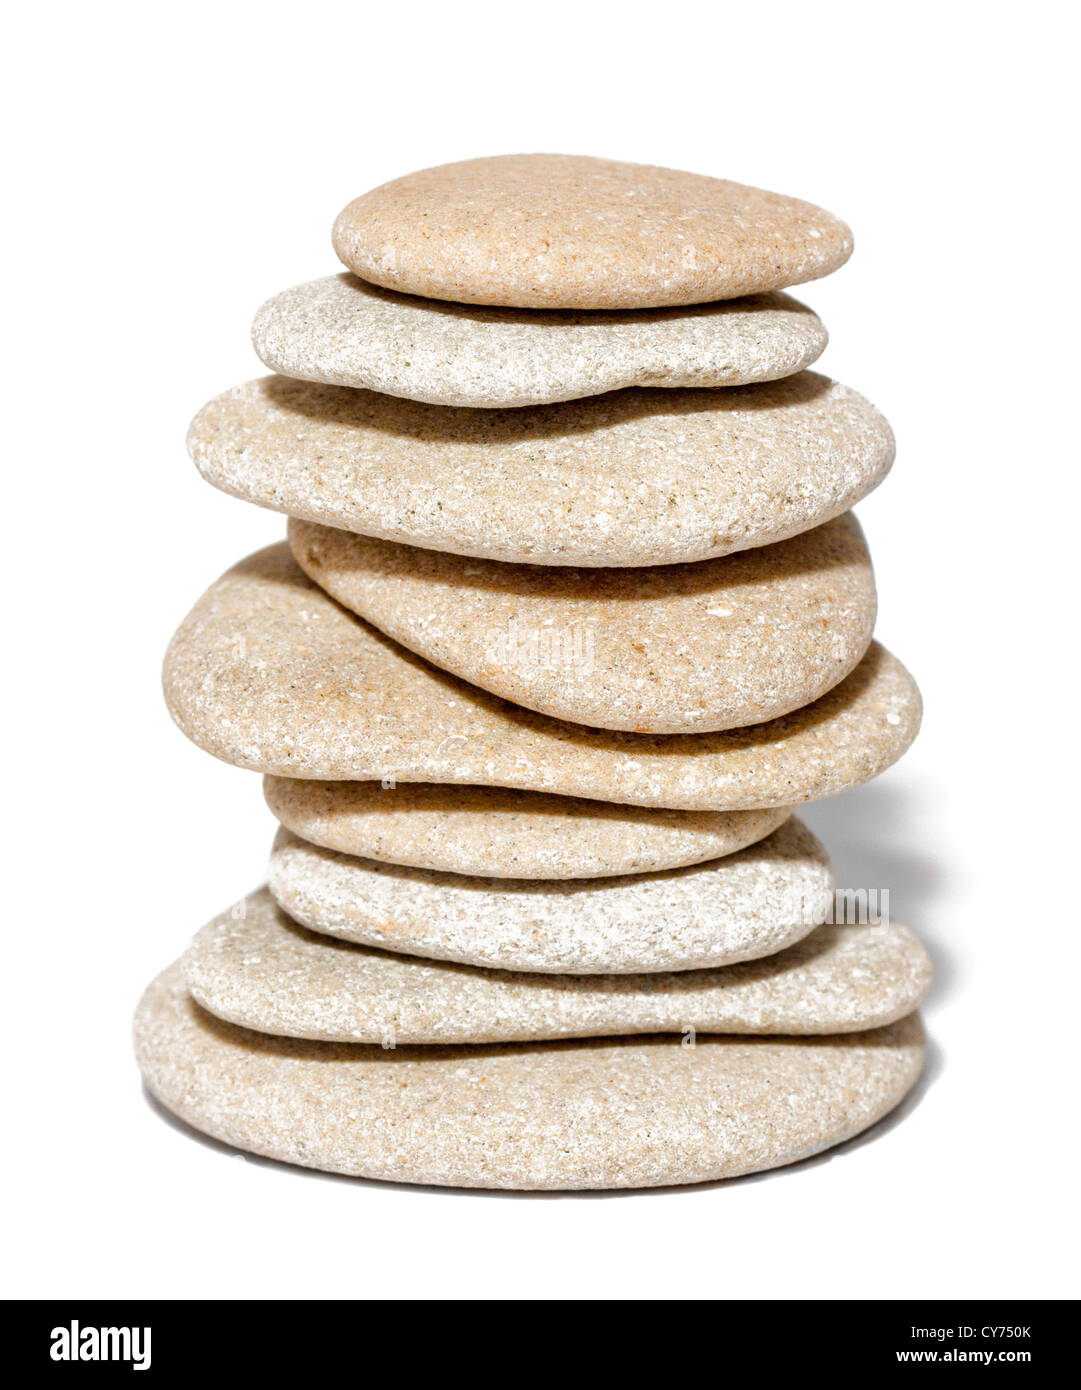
875, 838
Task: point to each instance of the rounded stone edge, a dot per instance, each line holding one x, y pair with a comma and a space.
286, 1024
908, 1034
272, 347
394, 272
761, 823
290, 894
215, 465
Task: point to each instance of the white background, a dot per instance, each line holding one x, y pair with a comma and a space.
168, 169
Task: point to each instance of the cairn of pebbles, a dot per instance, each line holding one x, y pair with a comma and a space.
572, 612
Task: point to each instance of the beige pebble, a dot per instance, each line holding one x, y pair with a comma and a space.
345, 332
563, 231
269, 673
498, 832
667, 649
636, 477
611, 1113
749, 904
254, 966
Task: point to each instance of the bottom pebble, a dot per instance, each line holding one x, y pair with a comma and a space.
605, 1113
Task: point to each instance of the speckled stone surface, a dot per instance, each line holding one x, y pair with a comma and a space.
571, 232
666, 649
749, 904
636, 477
345, 332
612, 1113
498, 832
269, 673
254, 966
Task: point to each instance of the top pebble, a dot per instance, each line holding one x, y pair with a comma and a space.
547, 231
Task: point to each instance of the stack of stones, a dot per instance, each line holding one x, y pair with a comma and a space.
572, 611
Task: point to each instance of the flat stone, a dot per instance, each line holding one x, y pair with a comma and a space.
749, 904
636, 477
569, 232
254, 966
611, 1113
345, 332
667, 649
498, 832
269, 673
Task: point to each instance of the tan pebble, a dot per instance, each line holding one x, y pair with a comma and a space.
666, 649
570, 232
498, 832
254, 966
612, 1113
637, 477
345, 332
749, 904
269, 673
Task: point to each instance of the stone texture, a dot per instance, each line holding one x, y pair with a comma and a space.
269, 673
667, 649
254, 966
498, 832
345, 332
612, 1113
749, 904
570, 232
637, 477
